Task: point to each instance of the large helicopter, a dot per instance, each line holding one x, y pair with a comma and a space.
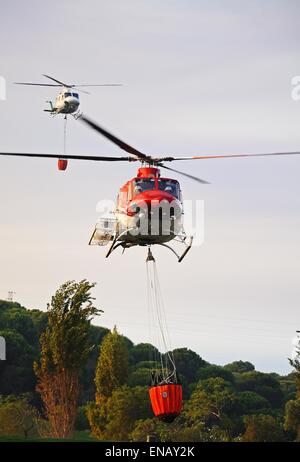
149, 209
67, 100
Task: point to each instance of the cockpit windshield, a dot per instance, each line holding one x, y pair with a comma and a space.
143, 184
169, 186
75, 95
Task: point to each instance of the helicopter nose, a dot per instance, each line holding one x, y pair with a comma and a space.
72, 101
154, 202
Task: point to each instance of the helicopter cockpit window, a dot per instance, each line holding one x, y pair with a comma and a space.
143, 184
76, 95
169, 186
68, 94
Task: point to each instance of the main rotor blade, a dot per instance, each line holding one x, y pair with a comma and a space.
126, 147
63, 156
192, 177
101, 85
222, 156
82, 91
58, 81
38, 84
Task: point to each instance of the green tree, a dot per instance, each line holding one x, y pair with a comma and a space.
212, 370
112, 366
17, 417
123, 408
262, 428
143, 352
292, 408
18, 327
240, 367
187, 363
264, 384
64, 351
210, 404
292, 417
111, 374
249, 402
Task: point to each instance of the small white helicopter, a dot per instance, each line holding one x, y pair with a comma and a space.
67, 101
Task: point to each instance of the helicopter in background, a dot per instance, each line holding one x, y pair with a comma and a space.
67, 101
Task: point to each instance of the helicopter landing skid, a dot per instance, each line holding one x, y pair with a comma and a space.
77, 115
187, 248
182, 239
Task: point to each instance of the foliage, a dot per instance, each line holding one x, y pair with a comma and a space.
124, 407
20, 328
187, 363
82, 422
17, 417
246, 392
292, 409
263, 384
212, 370
114, 420
239, 367
64, 350
210, 402
111, 373
143, 352
249, 402
112, 366
292, 417
262, 428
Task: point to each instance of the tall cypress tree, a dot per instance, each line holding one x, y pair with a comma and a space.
111, 373
64, 350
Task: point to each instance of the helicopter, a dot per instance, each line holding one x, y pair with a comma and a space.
146, 202
67, 101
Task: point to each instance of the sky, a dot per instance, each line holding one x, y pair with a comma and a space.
199, 77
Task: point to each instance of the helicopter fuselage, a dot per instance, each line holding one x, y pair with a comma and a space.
149, 209
67, 102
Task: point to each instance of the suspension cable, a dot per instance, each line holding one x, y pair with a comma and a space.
65, 134
157, 315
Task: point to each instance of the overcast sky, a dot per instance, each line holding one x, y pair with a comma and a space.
200, 77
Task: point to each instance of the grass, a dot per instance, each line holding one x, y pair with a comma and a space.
79, 437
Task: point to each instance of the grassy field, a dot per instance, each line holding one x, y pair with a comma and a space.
81, 437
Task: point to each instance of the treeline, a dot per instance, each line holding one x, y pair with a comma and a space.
105, 378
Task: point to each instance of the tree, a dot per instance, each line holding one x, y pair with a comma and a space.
111, 374
17, 417
240, 367
143, 352
262, 428
112, 366
187, 363
292, 408
292, 417
264, 384
210, 403
18, 327
212, 370
64, 350
123, 408
249, 402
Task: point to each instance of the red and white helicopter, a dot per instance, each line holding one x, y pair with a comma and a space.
67, 101
149, 209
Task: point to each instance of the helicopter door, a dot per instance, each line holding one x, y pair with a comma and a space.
104, 232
